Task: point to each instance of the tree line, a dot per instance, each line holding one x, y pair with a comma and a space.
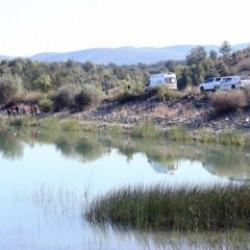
24, 79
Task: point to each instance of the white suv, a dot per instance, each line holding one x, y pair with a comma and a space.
224, 83
212, 84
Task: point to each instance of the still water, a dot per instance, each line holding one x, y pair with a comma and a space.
47, 179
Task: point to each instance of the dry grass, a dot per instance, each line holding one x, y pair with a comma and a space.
227, 102
195, 90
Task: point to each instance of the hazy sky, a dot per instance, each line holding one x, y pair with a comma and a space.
32, 26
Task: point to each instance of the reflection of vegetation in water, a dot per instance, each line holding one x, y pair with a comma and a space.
236, 239
220, 160
10, 147
229, 161
84, 148
184, 209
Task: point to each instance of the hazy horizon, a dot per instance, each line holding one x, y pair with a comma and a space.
30, 27
135, 47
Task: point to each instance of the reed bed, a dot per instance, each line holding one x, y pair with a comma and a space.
184, 209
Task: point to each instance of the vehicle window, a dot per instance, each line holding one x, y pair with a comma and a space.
228, 79
245, 78
218, 79
210, 80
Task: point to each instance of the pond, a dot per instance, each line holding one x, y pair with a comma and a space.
48, 178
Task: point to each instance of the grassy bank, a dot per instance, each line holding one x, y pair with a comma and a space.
140, 130
160, 208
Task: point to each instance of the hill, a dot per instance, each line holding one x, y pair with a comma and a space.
124, 55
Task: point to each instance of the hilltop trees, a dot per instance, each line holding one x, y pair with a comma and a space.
213, 55
225, 51
194, 72
196, 56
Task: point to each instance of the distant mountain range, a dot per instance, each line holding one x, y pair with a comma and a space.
124, 55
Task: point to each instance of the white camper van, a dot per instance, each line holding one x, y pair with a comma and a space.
164, 79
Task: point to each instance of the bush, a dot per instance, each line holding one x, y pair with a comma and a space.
87, 96
82, 99
65, 97
231, 101
45, 105
10, 89
166, 94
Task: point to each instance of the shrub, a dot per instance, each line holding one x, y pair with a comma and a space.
64, 97
226, 102
45, 105
87, 96
82, 99
166, 94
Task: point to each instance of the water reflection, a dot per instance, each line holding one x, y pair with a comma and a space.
48, 178
163, 156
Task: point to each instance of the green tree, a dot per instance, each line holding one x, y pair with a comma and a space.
225, 51
10, 89
42, 82
197, 55
213, 55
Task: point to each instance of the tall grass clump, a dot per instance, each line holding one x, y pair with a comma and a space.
23, 122
70, 125
230, 138
178, 134
204, 136
226, 102
51, 123
145, 129
184, 209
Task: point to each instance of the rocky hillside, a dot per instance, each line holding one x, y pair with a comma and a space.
242, 63
191, 110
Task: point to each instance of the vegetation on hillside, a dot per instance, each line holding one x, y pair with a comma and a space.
60, 85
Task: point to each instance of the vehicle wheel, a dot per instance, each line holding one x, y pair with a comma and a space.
202, 90
216, 88
233, 86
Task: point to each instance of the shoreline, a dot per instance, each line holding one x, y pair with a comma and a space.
226, 136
